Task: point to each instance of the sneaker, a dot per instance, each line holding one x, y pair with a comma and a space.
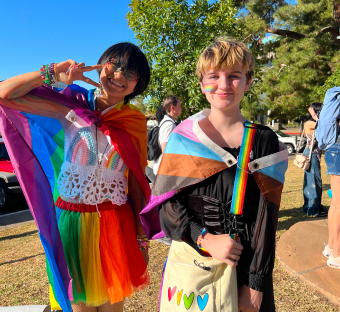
327, 251
333, 262
323, 212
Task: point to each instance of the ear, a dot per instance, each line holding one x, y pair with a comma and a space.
202, 87
248, 84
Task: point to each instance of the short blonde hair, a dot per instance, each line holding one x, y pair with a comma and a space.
225, 53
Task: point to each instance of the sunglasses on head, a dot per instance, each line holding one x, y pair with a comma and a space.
128, 74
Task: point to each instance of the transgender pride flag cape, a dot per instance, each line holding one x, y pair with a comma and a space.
36, 147
191, 156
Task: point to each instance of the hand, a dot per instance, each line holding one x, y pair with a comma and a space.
249, 300
223, 248
69, 71
145, 254
312, 112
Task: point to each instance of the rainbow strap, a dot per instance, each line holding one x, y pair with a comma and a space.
241, 177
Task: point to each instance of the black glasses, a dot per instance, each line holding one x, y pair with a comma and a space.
128, 74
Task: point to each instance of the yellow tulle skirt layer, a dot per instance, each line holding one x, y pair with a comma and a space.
101, 252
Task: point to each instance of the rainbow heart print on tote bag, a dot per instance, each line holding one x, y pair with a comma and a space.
195, 283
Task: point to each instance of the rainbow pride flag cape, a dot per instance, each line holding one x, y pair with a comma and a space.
191, 156
36, 148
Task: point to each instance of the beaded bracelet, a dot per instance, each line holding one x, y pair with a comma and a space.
200, 237
143, 243
52, 74
141, 240
144, 246
47, 74
44, 74
140, 236
55, 72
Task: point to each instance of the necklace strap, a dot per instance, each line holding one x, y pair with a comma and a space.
242, 169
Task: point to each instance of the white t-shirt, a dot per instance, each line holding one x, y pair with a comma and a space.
166, 127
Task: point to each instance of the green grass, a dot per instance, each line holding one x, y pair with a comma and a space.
24, 281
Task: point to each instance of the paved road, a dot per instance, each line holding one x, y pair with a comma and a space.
19, 205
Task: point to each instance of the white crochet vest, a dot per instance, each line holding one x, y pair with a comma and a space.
88, 173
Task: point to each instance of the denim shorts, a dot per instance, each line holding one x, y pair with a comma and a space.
332, 159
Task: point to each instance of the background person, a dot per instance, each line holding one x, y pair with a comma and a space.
327, 132
312, 182
102, 240
173, 109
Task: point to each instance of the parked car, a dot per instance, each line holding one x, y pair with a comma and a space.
290, 141
9, 185
151, 123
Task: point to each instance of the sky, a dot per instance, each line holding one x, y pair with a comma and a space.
33, 33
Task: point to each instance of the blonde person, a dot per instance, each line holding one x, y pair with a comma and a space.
193, 191
80, 157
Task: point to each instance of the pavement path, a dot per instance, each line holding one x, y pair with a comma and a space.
300, 253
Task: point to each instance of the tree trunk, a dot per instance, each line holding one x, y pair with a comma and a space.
336, 20
286, 33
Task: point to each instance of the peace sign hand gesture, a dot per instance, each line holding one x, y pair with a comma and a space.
69, 71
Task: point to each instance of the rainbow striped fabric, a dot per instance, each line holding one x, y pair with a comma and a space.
190, 157
241, 177
36, 147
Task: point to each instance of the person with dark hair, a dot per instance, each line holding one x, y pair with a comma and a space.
172, 109
312, 182
80, 157
160, 113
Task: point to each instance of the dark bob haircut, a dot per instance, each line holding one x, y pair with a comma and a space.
317, 108
130, 57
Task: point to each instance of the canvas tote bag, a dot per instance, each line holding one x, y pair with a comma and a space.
195, 283
301, 160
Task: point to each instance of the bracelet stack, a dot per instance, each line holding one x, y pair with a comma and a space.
200, 237
48, 73
143, 242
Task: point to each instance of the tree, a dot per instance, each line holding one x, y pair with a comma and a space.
332, 81
306, 49
255, 17
301, 65
173, 34
138, 101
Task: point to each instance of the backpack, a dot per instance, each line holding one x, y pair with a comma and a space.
154, 150
327, 129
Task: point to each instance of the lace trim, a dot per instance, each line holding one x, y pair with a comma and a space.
92, 184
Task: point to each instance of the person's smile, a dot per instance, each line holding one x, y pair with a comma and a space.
115, 83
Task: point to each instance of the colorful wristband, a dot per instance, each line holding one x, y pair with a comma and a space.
48, 74
200, 237
143, 244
